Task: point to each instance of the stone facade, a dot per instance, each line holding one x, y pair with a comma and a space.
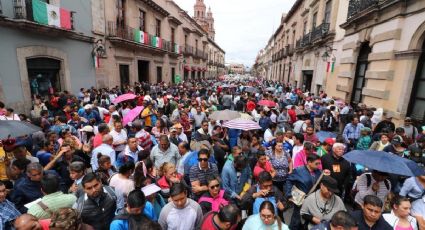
184, 51
394, 33
376, 47
24, 41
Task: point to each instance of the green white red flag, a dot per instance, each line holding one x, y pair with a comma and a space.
51, 15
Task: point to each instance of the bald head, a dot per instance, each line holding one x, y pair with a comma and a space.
107, 139
27, 222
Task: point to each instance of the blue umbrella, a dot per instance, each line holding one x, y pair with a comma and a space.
384, 162
322, 135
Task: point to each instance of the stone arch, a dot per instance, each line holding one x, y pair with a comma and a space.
418, 38
27, 52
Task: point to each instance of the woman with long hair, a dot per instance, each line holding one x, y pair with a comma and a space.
267, 219
106, 169
159, 129
400, 218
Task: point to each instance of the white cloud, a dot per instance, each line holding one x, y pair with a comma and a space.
243, 27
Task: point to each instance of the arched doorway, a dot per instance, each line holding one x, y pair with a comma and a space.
359, 78
416, 108
43, 76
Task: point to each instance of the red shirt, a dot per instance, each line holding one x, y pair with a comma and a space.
250, 105
97, 140
258, 169
208, 223
292, 115
311, 138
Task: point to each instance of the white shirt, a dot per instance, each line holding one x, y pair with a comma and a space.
300, 126
112, 114
119, 137
102, 112
13, 117
183, 137
268, 135
295, 150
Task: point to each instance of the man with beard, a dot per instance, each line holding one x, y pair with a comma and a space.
132, 217
98, 203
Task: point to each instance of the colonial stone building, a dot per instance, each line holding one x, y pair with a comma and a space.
361, 51
380, 56
43, 57
151, 41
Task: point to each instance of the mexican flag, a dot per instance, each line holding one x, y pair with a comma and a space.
176, 49
51, 15
140, 36
157, 42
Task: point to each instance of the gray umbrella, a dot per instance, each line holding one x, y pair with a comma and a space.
251, 90
225, 115
271, 89
16, 129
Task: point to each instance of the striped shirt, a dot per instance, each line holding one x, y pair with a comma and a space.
198, 174
54, 202
363, 189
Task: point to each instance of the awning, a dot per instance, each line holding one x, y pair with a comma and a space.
193, 68
187, 68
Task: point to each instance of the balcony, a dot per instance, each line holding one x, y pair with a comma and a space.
306, 40
189, 51
127, 34
320, 32
290, 49
22, 9
355, 7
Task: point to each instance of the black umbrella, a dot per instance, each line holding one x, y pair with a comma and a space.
16, 129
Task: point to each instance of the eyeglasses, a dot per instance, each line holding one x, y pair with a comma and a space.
266, 217
215, 186
202, 159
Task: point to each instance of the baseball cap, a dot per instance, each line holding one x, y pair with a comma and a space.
330, 141
330, 183
397, 140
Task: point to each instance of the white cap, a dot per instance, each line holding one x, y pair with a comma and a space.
88, 106
87, 128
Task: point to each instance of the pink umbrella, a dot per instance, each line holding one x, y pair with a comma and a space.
124, 97
132, 114
242, 124
267, 103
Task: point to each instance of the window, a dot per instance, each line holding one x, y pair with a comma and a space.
185, 40
196, 45
158, 28
173, 33
121, 13
305, 27
328, 9
142, 20
314, 21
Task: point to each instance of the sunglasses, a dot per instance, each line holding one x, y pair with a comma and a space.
214, 186
202, 159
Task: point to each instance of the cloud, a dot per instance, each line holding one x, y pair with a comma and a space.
243, 27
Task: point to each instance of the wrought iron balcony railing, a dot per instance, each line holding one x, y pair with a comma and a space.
320, 32
355, 7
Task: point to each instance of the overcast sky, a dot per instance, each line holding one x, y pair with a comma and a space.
243, 27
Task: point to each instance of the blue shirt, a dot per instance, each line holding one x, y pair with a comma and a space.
43, 157
233, 183
412, 188
352, 132
8, 213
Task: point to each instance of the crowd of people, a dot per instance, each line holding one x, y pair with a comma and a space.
93, 165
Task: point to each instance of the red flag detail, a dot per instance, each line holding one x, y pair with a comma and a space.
65, 19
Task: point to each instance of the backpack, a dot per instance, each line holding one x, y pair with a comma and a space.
355, 190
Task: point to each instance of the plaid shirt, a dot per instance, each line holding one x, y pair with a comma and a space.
352, 132
8, 213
